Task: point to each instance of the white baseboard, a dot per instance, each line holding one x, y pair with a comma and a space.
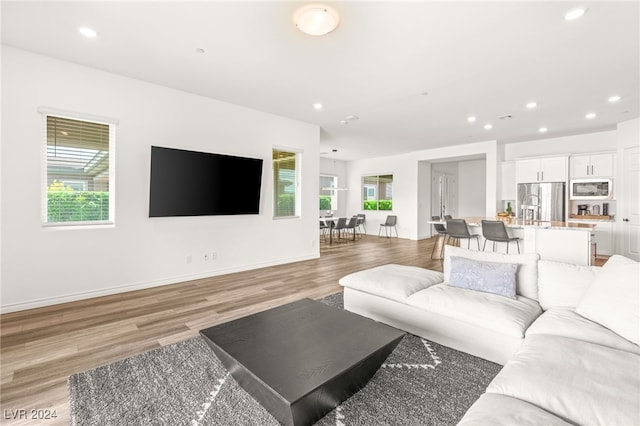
73, 297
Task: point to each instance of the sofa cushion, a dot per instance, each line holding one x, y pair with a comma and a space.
613, 299
526, 277
563, 284
568, 323
490, 277
500, 410
581, 382
497, 313
395, 282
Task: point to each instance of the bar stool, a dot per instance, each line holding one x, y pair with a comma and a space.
458, 229
495, 231
442, 231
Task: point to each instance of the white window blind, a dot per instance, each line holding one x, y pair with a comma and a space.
78, 183
286, 179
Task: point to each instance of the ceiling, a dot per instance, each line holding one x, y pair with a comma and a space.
411, 71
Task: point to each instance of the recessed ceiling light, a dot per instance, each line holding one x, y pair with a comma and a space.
471, 119
316, 20
488, 127
614, 98
575, 13
542, 129
590, 115
532, 105
317, 106
88, 32
344, 122
352, 117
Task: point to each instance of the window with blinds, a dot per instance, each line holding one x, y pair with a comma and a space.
285, 183
79, 172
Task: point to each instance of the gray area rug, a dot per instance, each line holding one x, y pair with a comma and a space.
421, 383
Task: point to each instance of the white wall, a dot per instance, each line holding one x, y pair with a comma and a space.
338, 168
567, 145
42, 266
411, 200
471, 188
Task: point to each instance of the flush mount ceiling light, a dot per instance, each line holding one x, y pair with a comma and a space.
614, 98
542, 129
316, 19
532, 105
317, 106
590, 116
574, 14
488, 127
87, 32
471, 119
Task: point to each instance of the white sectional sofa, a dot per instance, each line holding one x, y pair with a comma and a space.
568, 338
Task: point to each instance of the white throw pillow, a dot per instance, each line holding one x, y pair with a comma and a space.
526, 277
563, 284
613, 300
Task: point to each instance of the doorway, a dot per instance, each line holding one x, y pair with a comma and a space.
444, 194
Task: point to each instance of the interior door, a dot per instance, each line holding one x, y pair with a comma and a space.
444, 199
631, 217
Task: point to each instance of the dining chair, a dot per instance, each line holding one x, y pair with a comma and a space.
362, 227
351, 226
442, 231
339, 226
388, 224
458, 229
495, 231
323, 230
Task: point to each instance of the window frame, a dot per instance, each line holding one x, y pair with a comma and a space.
297, 153
46, 112
367, 187
333, 193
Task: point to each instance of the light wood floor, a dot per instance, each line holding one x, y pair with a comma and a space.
41, 348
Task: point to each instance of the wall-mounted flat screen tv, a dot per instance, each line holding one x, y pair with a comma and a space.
190, 183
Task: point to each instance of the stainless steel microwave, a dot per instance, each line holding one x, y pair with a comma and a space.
591, 189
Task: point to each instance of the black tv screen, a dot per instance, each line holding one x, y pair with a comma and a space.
190, 183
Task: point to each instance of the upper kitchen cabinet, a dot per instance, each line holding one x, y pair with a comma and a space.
595, 165
547, 169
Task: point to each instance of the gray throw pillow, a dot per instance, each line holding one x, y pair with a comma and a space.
489, 277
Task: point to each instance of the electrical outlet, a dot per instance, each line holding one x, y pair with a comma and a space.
214, 255
207, 257
188, 259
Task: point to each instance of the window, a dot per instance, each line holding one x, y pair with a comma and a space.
78, 189
286, 199
377, 192
328, 196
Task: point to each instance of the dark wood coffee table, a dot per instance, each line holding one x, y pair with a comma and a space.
302, 359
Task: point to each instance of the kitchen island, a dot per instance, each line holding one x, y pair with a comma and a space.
568, 242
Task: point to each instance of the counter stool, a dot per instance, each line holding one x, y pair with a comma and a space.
495, 231
458, 229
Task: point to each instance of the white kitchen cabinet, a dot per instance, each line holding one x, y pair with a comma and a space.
594, 165
508, 180
547, 169
603, 236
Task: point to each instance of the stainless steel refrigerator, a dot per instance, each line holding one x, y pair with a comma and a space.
541, 201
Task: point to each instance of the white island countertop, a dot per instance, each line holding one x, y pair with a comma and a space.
512, 222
